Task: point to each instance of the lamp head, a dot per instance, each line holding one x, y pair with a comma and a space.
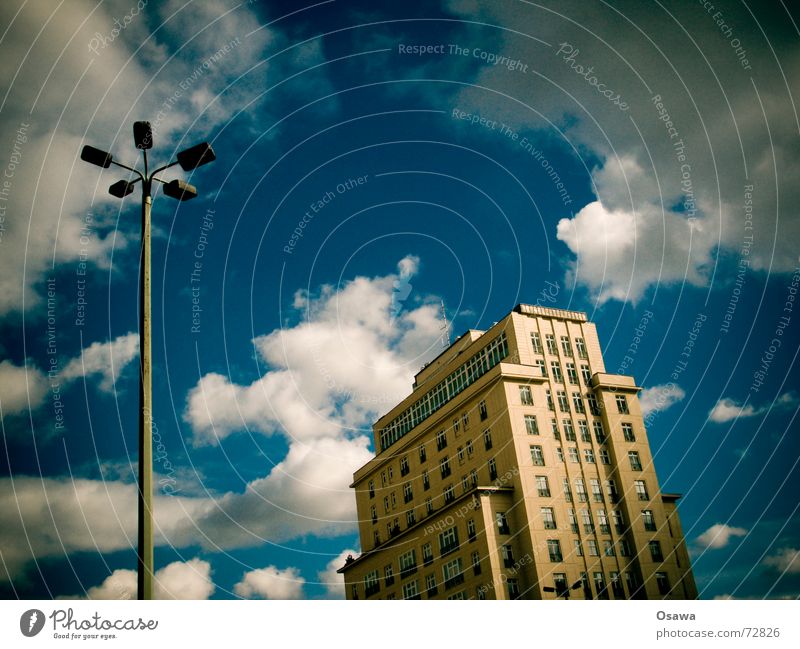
142, 135
96, 156
196, 156
180, 190
121, 189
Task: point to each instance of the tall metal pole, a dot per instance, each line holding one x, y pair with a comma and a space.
145, 540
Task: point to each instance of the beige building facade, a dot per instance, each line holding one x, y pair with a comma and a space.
517, 469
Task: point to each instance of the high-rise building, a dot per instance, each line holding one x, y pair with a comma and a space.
517, 468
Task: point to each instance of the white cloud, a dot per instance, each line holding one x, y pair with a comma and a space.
637, 235
106, 359
660, 397
332, 580
190, 580
20, 388
785, 560
728, 409
271, 583
25, 387
717, 536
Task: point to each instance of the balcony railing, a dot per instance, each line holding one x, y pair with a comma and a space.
454, 581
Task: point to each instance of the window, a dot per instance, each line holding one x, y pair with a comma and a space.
393, 498
636, 462
550, 339
569, 430
448, 541
410, 590
600, 586
542, 487
411, 517
536, 341
549, 396
492, 470
453, 573
471, 536
605, 458
465, 420
662, 581
554, 427
655, 551
525, 395
627, 432
611, 490
404, 466
599, 431
482, 410
586, 374
580, 489
572, 374
567, 490
459, 595
548, 518
649, 520
408, 494
583, 427
530, 425
426, 481
502, 523
376, 538
578, 548
624, 548
456, 426
386, 504
508, 556
388, 575
563, 402
560, 584
513, 588
640, 487
577, 403
476, 563
444, 466
632, 582
449, 494
573, 455
473, 477
573, 520
588, 524
460, 454
354, 591
580, 345
597, 492
390, 471
383, 478
554, 550
566, 347
622, 404
592, 545
594, 405
619, 520
427, 554
555, 368
423, 456
441, 440
487, 439
559, 454
616, 585
408, 564
371, 488
602, 521
428, 507
469, 448
539, 362
464, 483
373, 514
536, 456
430, 585
588, 455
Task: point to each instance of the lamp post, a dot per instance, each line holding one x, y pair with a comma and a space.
180, 190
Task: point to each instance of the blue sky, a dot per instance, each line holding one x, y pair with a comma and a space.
481, 172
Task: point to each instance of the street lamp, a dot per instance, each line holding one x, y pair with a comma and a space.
180, 190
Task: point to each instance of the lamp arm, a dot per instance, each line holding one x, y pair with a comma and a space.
136, 171
160, 169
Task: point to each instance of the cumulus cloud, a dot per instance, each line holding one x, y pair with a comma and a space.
332, 580
668, 204
785, 560
271, 583
21, 387
719, 535
25, 387
728, 409
177, 580
660, 397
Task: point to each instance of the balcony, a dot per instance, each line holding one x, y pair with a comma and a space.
389, 580
449, 548
372, 589
407, 571
503, 529
454, 581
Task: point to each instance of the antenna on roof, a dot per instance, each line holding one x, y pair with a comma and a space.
445, 328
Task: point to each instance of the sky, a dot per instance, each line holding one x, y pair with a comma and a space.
636, 161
